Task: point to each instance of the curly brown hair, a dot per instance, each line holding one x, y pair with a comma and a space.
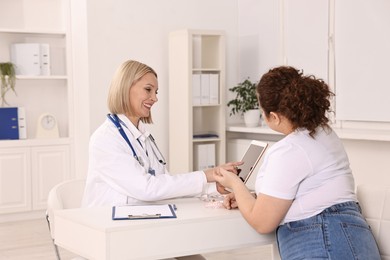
303, 100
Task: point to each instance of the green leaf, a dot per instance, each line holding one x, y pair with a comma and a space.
246, 98
7, 80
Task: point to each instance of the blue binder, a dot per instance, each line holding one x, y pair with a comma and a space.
9, 123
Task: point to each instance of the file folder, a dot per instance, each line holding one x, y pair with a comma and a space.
214, 89
12, 123
9, 127
196, 90
22, 123
133, 212
45, 60
31, 59
204, 156
205, 89
26, 57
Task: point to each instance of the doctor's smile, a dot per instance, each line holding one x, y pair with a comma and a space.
142, 96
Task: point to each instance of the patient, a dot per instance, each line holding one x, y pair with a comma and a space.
305, 187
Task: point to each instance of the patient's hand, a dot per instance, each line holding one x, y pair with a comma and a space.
230, 201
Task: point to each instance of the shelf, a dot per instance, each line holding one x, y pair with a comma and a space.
363, 134
22, 77
31, 167
203, 140
193, 52
346, 134
34, 142
206, 70
241, 128
206, 105
34, 32
40, 94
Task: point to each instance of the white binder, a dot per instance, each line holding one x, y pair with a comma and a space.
205, 89
45, 60
214, 89
196, 93
205, 156
31, 59
26, 57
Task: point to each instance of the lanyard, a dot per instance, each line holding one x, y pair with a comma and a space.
116, 121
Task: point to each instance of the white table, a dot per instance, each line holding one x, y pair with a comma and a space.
91, 233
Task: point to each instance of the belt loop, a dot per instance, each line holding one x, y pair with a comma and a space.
358, 206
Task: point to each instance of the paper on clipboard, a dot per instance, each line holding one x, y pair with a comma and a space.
143, 212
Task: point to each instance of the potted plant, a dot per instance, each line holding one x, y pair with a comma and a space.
245, 103
7, 80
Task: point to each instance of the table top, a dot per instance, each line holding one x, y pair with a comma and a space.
91, 232
188, 210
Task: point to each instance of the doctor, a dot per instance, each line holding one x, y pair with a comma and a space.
125, 164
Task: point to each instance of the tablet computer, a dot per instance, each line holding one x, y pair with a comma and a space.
251, 158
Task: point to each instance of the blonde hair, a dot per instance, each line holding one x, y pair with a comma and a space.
125, 77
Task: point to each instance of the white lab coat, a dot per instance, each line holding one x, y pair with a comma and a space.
115, 177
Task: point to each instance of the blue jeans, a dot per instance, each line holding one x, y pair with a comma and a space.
339, 232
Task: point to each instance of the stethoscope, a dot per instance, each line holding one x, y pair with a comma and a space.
117, 122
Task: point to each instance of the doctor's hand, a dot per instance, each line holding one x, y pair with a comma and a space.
221, 189
230, 166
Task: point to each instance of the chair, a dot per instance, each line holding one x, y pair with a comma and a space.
65, 195
375, 204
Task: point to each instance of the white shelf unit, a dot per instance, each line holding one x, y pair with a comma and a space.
195, 52
367, 134
29, 168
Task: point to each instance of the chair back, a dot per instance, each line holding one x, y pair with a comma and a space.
65, 195
375, 204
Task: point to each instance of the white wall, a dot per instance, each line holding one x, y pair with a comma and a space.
259, 22
81, 86
259, 43
370, 161
132, 29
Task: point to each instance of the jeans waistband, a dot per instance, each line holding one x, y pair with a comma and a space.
349, 205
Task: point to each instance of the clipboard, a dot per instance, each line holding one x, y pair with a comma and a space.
133, 212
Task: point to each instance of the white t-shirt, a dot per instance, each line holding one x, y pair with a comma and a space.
314, 172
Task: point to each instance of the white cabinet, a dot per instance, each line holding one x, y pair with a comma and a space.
196, 97
27, 173
306, 43
15, 180
50, 166
30, 167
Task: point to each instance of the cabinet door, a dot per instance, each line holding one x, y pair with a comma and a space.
50, 166
15, 180
308, 19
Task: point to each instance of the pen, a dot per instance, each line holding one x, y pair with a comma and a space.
145, 216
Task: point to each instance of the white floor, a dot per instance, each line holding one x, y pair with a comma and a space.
30, 240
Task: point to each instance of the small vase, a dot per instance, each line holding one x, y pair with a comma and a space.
252, 117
